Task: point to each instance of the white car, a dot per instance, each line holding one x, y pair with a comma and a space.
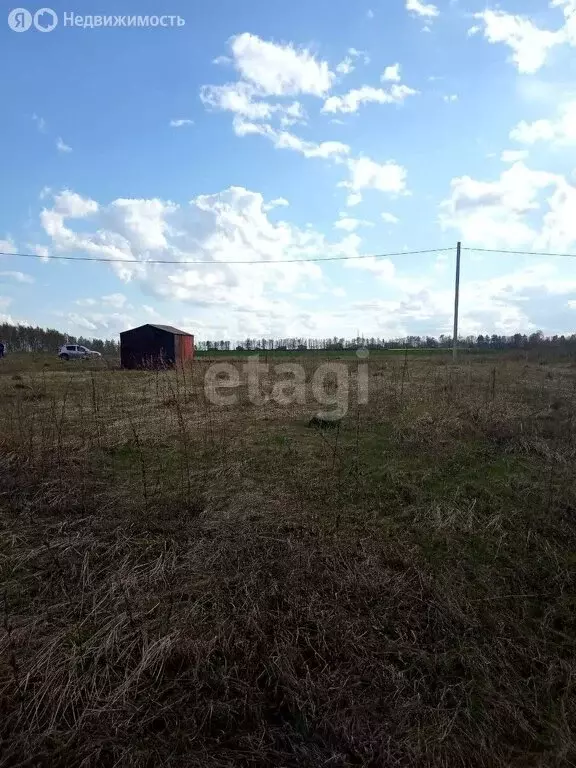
76, 352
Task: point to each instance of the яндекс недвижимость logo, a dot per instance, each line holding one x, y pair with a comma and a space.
45, 20
21, 20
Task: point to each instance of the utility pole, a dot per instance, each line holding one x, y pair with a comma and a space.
456, 298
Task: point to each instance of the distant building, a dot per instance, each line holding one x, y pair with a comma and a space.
155, 346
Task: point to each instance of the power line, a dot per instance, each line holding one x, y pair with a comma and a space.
213, 263
520, 253
288, 261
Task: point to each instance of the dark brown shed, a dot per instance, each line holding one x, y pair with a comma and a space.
155, 346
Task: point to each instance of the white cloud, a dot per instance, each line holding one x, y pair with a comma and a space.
513, 210
547, 275
369, 13
151, 311
513, 155
493, 213
116, 300
399, 92
237, 98
79, 321
389, 218
352, 100
354, 198
142, 222
568, 8
418, 8
221, 300
346, 66
40, 123
350, 224
227, 227
181, 122
530, 133
559, 223
246, 128
287, 140
391, 74
367, 174
530, 44
359, 55
450, 97
383, 269
71, 204
279, 69
19, 277
278, 202
560, 131
7, 245
292, 113
61, 146
242, 99
274, 69
441, 262
325, 149
41, 251
487, 305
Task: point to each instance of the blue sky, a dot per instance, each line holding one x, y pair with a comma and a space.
266, 132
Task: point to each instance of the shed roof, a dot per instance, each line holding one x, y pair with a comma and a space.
170, 329
167, 328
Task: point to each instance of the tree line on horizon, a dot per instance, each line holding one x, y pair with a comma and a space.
25, 338
481, 341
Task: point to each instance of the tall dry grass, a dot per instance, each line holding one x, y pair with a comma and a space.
187, 585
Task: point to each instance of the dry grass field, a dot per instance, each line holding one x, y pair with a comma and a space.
191, 585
